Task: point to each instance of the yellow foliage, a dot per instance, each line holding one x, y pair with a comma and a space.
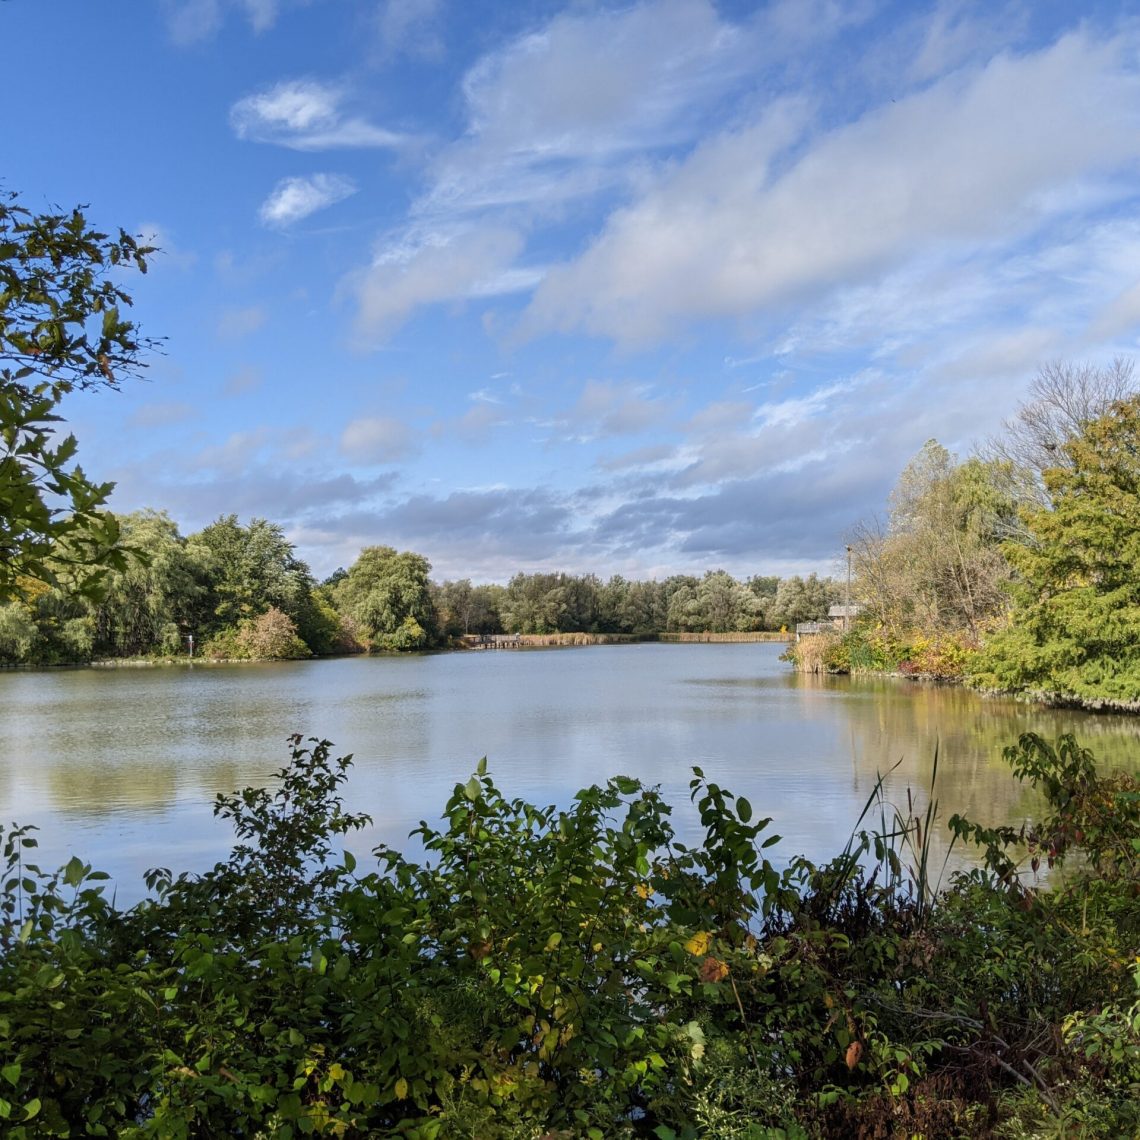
699, 944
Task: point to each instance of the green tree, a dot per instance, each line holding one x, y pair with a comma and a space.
1075, 626
61, 329
251, 568
803, 599
18, 631
462, 608
387, 596
535, 603
727, 606
938, 566
150, 604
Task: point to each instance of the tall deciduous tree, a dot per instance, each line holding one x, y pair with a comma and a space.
937, 566
252, 568
388, 597
803, 599
151, 604
61, 328
1062, 398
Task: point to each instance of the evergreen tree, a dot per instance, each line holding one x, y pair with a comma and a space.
1075, 628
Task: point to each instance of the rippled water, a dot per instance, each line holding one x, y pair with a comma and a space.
120, 765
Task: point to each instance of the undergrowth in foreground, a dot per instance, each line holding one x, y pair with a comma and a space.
550, 973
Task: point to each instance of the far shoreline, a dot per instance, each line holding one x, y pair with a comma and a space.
463, 644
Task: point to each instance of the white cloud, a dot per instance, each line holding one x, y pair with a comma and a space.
1120, 315
466, 264
606, 408
556, 117
163, 414
750, 222
478, 422
245, 379
237, 452
295, 198
303, 114
377, 440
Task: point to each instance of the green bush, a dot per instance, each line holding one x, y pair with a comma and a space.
579, 973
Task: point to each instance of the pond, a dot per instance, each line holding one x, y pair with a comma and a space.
120, 766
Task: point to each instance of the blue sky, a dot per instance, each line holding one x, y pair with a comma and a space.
627, 288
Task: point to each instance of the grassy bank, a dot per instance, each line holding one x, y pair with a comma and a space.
945, 657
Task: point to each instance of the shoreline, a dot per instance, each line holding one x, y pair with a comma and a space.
1102, 706
525, 641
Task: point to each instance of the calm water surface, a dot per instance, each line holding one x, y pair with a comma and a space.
120, 766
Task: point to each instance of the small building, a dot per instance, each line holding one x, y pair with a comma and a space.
838, 619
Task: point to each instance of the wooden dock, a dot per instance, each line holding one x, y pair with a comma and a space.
493, 641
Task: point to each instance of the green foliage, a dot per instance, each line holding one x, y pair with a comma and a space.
871, 648
270, 636
250, 569
717, 604
1075, 628
802, 599
146, 605
462, 608
61, 328
387, 597
1090, 813
18, 632
60, 320
52, 524
936, 569
1108, 1043
575, 972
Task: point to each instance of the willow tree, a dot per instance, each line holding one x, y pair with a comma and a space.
387, 597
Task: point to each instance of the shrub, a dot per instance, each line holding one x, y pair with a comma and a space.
578, 973
271, 636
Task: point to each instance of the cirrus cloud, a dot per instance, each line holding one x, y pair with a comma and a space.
294, 199
303, 114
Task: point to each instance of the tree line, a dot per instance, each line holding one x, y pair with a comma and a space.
239, 590
1014, 568
78, 581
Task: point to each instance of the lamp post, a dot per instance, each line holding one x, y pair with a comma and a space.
847, 594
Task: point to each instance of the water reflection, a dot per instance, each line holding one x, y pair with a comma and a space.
136, 787
121, 766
